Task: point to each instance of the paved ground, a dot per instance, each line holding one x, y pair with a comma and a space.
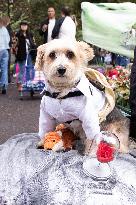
17, 116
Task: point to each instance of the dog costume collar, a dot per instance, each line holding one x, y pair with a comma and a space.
83, 88
69, 95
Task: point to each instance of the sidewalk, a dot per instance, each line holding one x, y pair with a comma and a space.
17, 116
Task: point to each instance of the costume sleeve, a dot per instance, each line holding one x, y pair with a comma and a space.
40, 29
90, 120
46, 122
41, 33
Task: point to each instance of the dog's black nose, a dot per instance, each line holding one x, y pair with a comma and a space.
61, 70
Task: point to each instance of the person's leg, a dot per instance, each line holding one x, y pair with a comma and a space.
29, 60
119, 60
30, 73
103, 59
9, 76
21, 72
14, 70
113, 59
0, 68
4, 68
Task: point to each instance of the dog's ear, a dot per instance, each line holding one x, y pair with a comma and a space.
85, 51
40, 57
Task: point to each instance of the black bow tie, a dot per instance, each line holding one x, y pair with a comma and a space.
69, 95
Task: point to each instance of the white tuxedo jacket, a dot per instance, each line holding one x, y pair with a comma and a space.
85, 108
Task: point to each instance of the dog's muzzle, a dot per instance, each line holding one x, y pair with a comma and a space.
61, 70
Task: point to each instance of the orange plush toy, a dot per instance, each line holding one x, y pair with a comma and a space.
61, 139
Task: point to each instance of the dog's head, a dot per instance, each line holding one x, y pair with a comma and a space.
63, 62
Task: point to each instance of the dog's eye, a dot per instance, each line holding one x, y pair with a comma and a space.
52, 55
70, 54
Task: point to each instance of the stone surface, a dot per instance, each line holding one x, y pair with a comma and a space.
29, 176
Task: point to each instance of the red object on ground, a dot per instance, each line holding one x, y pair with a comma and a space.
113, 72
105, 152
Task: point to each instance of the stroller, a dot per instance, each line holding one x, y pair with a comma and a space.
33, 81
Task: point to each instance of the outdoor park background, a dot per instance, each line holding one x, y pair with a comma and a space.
22, 116
35, 11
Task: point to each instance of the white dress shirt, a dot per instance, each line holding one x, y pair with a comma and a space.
85, 108
50, 28
67, 29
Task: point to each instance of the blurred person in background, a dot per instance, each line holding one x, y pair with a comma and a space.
65, 27
48, 25
107, 58
122, 60
4, 56
13, 53
24, 56
6, 22
74, 19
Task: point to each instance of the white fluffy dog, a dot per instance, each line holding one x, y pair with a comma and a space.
69, 97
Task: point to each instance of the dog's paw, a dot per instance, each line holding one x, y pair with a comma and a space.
123, 149
58, 147
40, 145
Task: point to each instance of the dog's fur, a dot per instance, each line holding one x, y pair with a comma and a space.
74, 56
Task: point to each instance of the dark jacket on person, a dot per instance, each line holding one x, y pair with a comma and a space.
57, 27
21, 45
133, 98
44, 34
